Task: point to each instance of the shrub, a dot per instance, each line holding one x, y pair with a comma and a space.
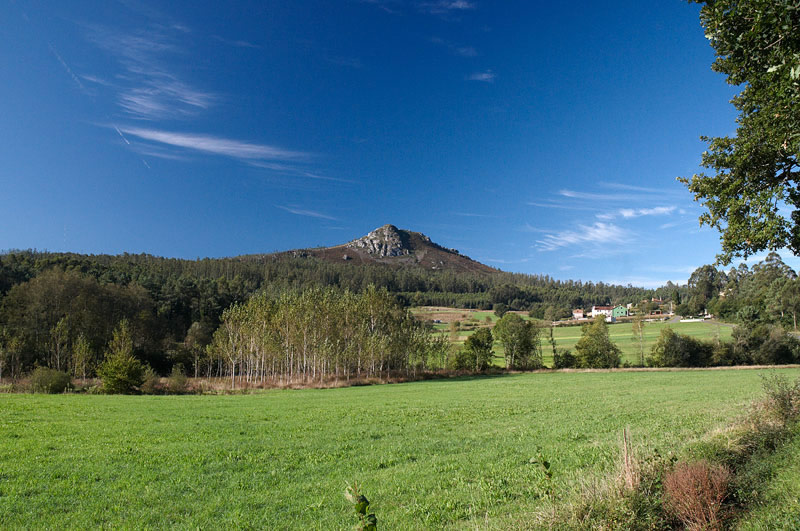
177, 380
677, 350
563, 359
778, 347
121, 374
694, 492
151, 383
783, 397
51, 381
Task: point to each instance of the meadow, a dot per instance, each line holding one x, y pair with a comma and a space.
431, 454
568, 336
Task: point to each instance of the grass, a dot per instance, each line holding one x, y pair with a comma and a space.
778, 478
568, 336
428, 454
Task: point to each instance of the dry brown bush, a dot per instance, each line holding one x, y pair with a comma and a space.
694, 493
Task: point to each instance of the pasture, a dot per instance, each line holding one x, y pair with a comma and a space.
447, 453
568, 336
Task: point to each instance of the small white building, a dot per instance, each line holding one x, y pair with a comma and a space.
577, 314
607, 311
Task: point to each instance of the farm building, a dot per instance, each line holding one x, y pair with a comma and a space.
619, 311
602, 310
577, 314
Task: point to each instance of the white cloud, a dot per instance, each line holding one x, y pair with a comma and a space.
639, 212
216, 145
487, 77
446, 6
236, 42
145, 88
308, 213
597, 234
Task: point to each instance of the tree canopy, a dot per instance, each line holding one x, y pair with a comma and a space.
753, 195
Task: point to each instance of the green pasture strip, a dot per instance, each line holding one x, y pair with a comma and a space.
428, 454
620, 333
778, 477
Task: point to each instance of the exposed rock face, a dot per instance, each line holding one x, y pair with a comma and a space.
395, 247
383, 242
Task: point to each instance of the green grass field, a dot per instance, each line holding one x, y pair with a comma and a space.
429, 454
568, 336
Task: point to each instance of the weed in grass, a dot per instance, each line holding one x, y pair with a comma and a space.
694, 494
367, 521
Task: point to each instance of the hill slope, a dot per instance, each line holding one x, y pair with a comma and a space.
396, 247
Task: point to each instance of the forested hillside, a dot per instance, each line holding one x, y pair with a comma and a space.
173, 306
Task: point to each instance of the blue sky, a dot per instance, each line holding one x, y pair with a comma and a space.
531, 136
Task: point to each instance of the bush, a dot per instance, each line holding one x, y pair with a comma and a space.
677, 350
51, 381
177, 380
777, 348
563, 359
694, 492
151, 383
121, 374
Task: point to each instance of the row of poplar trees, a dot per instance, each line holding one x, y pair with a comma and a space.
323, 334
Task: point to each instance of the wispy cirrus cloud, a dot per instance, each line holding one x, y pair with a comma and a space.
456, 49
391, 7
146, 88
438, 7
487, 76
630, 213
597, 234
215, 145
237, 43
446, 6
298, 211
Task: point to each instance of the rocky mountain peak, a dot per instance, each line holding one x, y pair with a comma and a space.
384, 242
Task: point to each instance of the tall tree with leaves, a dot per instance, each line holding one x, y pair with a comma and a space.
756, 173
638, 335
520, 341
81, 356
594, 349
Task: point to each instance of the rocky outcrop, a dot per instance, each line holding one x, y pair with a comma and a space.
384, 242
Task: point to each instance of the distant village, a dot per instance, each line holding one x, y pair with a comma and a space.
653, 308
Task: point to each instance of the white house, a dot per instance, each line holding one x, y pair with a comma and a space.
608, 311
577, 314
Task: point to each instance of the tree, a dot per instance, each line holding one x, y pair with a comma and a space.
121, 372
59, 340
638, 334
520, 341
500, 309
594, 349
197, 338
81, 356
477, 352
756, 174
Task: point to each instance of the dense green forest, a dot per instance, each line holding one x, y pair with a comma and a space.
174, 306
51, 302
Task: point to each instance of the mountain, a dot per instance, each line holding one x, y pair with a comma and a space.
396, 247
